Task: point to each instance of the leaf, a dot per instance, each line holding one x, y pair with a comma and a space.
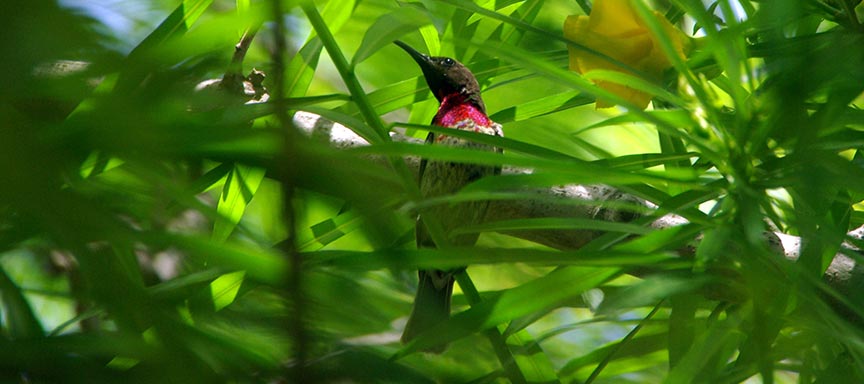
527, 13
224, 289
715, 344
243, 6
264, 265
639, 347
530, 61
210, 179
534, 363
672, 117
504, 143
644, 160
240, 187
329, 230
549, 291
554, 171
301, 69
459, 257
181, 287
667, 238
682, 325
542, 106
553, 223
648, 292
394, 96
176, 24
714, 245
430, 37
635, 82
357, 125
18, 317
388, 28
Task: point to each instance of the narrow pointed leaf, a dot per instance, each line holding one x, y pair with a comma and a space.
459, 257
240, 187
19, 318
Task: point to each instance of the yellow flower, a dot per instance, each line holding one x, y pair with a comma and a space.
615, 29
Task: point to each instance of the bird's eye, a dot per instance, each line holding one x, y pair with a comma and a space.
448, 62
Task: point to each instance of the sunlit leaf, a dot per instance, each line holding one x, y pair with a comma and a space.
240, 187
224, 289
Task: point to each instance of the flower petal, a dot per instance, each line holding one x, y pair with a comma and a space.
615, 30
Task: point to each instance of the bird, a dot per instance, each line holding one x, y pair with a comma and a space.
460, 107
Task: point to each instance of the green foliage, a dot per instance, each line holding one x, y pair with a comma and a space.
151, 232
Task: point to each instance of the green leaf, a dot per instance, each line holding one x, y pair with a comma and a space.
301, 69
504, 143
553, 223
360, 127
176, 24
542, 106
224, 289
430, 37
671, 117
531, 359
19, 319
211, 178
639, 347
459, 257
644, 160
635, 82
240, 187
546, 292
259, 264
527, 13
668, 239
711, 346
682, 325
388, 28
329, 230
554, 171
528, 60
648, 292
181, 287
714, 245
243, 6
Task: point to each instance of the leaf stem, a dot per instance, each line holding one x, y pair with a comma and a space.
345, 70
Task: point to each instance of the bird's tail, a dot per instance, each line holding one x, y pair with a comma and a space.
431, 305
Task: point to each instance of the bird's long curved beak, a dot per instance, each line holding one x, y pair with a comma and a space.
424, 61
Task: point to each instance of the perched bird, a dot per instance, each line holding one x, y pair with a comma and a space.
462, 108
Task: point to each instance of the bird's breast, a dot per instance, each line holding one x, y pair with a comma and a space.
451, 114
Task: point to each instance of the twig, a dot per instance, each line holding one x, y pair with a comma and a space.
233, 79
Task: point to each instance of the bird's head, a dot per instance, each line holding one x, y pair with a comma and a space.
446, 76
